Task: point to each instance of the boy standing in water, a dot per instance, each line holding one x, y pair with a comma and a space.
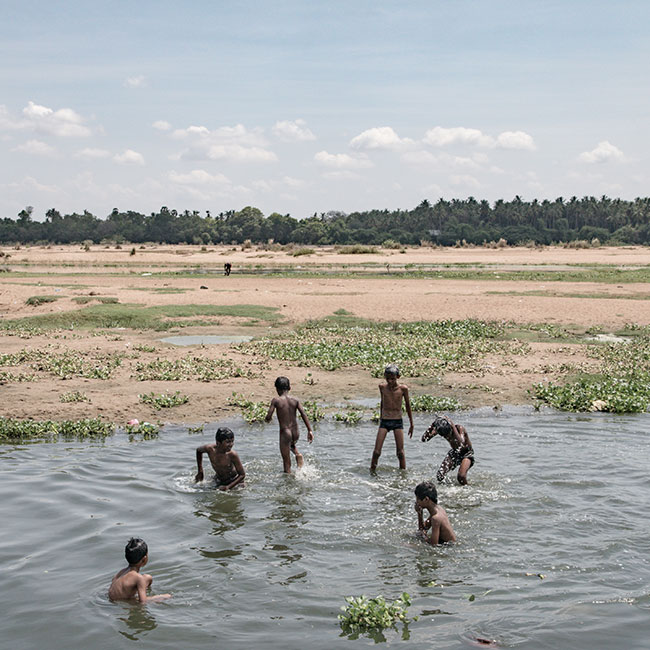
129, 583
392, 395
228, 469
440, 530
286, 407
460, 455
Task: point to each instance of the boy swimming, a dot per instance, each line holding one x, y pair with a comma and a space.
286, 407
228, 469
460, 455
437, 524
392, 395
129, 583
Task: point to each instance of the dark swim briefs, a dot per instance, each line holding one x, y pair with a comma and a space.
453, 459
391, 425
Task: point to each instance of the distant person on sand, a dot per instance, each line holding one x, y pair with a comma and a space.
227, 267
460, 455
129, 583
436, 529
286, 407
392, 393
228, 469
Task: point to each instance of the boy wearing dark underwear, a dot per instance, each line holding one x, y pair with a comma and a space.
286, 408
228, 469
436, 529
460, 455
129, 583
392, 393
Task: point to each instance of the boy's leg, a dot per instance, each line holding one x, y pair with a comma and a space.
399, 447
379, 443
299, 459
465, 464
285, 447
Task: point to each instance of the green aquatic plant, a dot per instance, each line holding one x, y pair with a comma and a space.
35, 301
432, 403
189, 367
163, 400
364, 614
19, 431
313, 411
349, 416
141, 431
73, 396
251, 411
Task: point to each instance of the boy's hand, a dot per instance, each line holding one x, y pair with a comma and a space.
411, 431
223, 488
310, 436
418, 508
199, 476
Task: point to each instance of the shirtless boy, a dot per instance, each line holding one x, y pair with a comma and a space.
286, 407
129, 583
460, 455
392, 394
436, 529
228, 469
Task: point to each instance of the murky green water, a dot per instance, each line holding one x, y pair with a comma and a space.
269, 565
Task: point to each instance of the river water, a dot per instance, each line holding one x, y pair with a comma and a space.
564, 496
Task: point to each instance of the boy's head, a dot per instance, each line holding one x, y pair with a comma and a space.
425, 490
135, 550
440, 426
282, 385
391, 371
223, 434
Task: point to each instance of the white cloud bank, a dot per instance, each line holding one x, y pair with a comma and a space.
129, 157
162, 125
35, 148
64, 122
341, 161
296, 131
381, 137
441, 137
604, 152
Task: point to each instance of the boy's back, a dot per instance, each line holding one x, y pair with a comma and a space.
128, 583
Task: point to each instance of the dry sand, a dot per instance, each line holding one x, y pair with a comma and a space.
69, 272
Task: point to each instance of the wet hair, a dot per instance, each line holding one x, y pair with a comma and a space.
442, 427
135, 550
223, 433
282, 384
391, 369
426, 489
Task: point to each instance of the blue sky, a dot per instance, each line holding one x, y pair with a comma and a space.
309, 106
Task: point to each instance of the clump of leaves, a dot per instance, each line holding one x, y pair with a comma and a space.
349, 416
20, 431
363, 614
195, 430
313, 411
142, 431
141, 347
73, 396
251, 411
187, 368
163, 400
35, 301
432, 403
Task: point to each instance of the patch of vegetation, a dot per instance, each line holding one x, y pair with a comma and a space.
67, 364
73, 396
158, 318
6, 377
142, 431
432, 403
21, 431
313, 411
188, 368
163, 400
141, 347
251, 411
302, 251
363, 614
356, 249
35, 301
349, 416
194, 430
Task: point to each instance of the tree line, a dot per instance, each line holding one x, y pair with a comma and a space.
444, 222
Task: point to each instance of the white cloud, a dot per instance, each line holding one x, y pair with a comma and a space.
381, 137
135, 82
29, 183
129, 157
239, 153
198, 177
419, 157
604, 152
465, 180
292, 131
162, 125
289, 181
442, 137
35, 148
91, 153
344, 175
200, 184
63, 123
341, 161
515, 140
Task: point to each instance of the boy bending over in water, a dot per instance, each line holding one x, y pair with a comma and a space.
392, 395
437, 524
460, 455
286, 407
129, 582
226, 464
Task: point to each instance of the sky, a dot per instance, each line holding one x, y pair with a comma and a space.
309, 106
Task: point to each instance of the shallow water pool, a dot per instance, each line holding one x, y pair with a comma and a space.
269, 565
206, 339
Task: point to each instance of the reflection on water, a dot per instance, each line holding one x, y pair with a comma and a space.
271, 563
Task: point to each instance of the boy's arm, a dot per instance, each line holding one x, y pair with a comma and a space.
143, 585
269, 415
305, 419
427, 435
199, 463
407, 403
241, 473
421, 525
434, 537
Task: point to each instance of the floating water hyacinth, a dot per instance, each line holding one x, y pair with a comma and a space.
362, 613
